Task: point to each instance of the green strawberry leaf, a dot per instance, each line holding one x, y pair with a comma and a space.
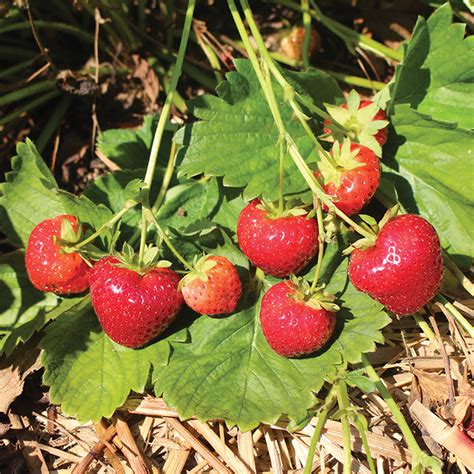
436, 76
237, 138
130, 149
89, 375
30, 195
426, 161
228, 371
23, 309
356, 378
189, 202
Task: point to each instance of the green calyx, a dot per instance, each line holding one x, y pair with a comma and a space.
344, 160
68, 237
372, 226
128, 258
273, 212
201, 268
317, 298
359, 123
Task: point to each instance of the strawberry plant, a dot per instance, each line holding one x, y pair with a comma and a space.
216, 256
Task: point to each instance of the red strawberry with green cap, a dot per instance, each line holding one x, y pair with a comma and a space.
213, 287
49, 263
350, 177
133, 304
401, 267
278, 243
296, 321
365, 123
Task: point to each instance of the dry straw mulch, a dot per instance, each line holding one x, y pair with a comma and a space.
428, 374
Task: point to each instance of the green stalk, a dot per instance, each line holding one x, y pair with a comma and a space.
461, 320
30, 106
361, 429
343, 402
424, 326
322, 417
162, 122
107, 225
27, 92
307, 32
321, 239
53, 123
356, 81
167, 241
420, 459
339, 76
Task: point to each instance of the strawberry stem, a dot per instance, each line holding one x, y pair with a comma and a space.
420, 459
322, 417
343, 402
361, 429
150, 216
460, 319
106, 225
425, 328
321, 239
150, 171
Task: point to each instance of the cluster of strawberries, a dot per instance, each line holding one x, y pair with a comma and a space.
400, 266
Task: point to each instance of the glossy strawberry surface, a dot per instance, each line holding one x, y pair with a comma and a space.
358, 185
293, 328
381, 135
49, 269
132, 308
214, 291
403, 270
279, 246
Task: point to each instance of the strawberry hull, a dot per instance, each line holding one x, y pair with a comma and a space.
403, 270
133, 309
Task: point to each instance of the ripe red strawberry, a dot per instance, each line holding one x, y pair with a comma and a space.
134, 308
364, 121
291, 325
353, 178
403, 268
48, 266
213, 288
278, 245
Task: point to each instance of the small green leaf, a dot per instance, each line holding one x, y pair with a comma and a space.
355, 378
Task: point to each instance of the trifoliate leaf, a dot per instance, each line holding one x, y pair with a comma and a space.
228, 370
89, 375
436, 76
23, 309
237, 138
